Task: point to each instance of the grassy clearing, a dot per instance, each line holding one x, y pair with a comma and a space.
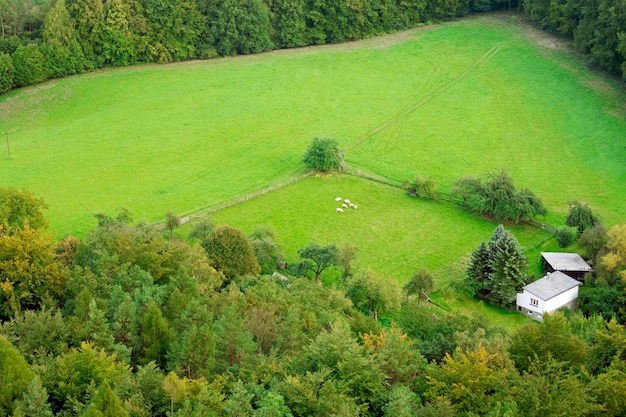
444, 102
395, 234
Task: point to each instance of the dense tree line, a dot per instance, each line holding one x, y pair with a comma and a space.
130, 322
596, 26
41, 39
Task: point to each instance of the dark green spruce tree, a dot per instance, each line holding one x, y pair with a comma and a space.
508, 266
497, 270
479, 270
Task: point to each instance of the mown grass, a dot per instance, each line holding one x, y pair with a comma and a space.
452, 100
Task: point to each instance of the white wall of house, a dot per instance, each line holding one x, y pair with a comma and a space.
524, 300
560, 300
535, 307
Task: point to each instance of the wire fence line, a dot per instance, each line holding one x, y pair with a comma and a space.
348, 170
441, 196
247, 197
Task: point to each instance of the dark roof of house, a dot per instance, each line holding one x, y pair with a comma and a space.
562, 261
551, 285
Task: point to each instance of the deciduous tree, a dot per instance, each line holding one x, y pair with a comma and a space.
318, 258
593, 239
373, 293
615, 260
231, 253
20, 206
580, 216
172, 221
267, 251
237, 26
421, 283
497, 196
322, 154
28, 270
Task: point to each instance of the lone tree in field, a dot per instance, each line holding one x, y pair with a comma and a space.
317, 258
322, 154
497, 270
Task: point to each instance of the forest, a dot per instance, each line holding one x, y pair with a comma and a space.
43, 39
132, 321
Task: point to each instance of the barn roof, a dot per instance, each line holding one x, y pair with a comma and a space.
562, 261
551, 285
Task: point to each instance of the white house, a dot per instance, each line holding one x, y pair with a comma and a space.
547, 295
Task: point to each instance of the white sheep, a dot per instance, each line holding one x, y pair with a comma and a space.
344, 206
338, 199
351, 205
355, 207
346, 201
339, 210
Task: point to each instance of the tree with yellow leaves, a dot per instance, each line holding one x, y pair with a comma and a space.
615, 260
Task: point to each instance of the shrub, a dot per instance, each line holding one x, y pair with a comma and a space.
423, 188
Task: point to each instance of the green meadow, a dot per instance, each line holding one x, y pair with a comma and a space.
462, 98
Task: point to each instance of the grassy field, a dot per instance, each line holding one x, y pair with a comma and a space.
395, 234
441, 101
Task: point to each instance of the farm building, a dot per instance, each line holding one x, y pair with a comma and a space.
547, 295
571, 264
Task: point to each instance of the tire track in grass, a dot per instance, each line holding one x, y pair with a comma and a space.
394, 124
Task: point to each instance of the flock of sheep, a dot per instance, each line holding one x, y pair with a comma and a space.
346, 203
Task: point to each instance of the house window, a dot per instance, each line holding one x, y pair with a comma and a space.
534, 302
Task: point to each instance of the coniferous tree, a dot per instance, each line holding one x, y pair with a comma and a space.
89, 18
508, 266
34, 402
479, 270
7, 73
498, 269
117, 38
97, 328
233, 342
105, 403
156, 335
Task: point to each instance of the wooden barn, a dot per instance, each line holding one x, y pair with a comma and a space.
571, 264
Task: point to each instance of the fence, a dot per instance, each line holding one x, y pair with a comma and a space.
243, 199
